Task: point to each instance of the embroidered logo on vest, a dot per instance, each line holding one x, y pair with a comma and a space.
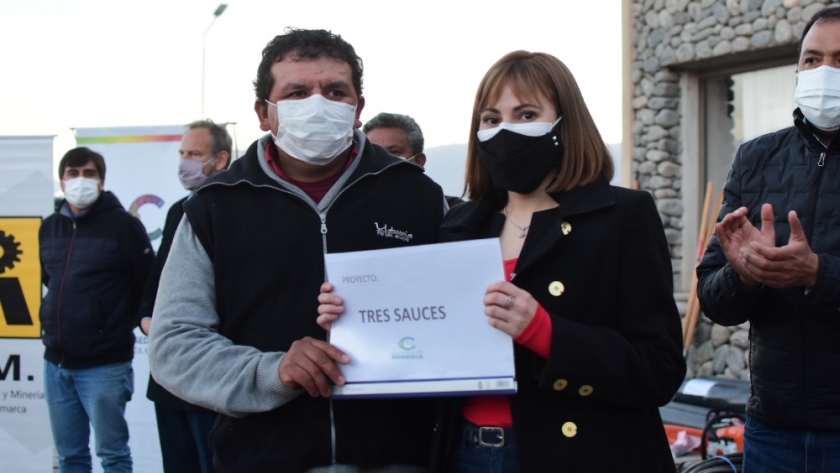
385, 231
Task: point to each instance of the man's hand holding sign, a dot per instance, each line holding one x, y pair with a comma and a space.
308, 364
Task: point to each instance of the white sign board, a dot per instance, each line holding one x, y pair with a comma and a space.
414, 322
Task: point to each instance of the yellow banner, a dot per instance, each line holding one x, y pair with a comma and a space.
20, 277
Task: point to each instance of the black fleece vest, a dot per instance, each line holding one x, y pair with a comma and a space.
267, 248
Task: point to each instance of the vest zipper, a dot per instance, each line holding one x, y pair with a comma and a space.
323, 216
332, 432
821, 162
61, 292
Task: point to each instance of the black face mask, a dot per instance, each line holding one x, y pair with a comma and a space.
519, 163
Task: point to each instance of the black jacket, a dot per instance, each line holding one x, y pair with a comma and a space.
794, 333
155, 392
267, 246
616, 350
94, 267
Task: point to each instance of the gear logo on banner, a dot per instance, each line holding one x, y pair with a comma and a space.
10, 252
20, 277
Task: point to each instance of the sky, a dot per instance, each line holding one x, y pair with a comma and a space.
91, 63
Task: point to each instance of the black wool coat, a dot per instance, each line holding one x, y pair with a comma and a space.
599, 264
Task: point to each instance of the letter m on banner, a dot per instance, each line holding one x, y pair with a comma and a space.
20, 277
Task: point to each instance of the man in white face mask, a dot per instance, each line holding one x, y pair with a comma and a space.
81, 186
235, 319
183, 427
775, 263
95, 258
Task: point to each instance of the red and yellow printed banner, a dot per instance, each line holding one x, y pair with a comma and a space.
81, 141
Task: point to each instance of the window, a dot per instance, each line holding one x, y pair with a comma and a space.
741, 107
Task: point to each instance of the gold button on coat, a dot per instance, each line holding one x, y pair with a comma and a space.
560, 384
566, 227
569, 429
585, 390
556, 288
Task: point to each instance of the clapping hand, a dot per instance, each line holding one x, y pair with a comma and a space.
754, 256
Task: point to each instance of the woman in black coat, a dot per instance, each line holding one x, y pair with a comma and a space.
588, 300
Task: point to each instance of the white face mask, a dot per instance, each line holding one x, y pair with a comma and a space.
314, 130
818, 96
527, 129
81, 192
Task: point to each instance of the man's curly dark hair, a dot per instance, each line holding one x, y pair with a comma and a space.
305, 44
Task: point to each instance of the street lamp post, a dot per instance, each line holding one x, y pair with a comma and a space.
219, 10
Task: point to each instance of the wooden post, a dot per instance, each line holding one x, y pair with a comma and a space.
692, 295
693, 310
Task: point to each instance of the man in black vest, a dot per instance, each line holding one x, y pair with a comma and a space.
235, 322
183, 427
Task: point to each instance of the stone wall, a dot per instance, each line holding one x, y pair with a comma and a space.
719, 351
674, 35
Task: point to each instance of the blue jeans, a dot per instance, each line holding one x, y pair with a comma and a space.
773, 450
79, 398
184, 442
470, 457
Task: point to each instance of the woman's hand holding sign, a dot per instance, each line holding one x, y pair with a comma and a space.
329, 308
509, 308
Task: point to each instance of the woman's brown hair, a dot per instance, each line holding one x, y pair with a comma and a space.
585, 157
